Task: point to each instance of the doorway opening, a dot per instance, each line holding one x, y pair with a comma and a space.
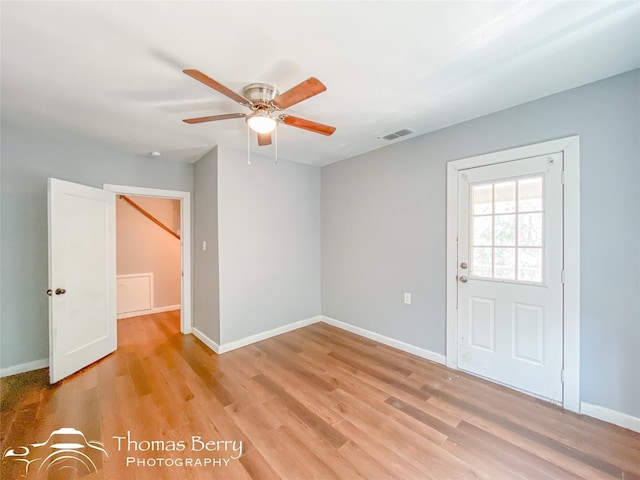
138, 288
148, 269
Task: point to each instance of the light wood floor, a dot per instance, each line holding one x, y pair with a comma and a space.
316, 403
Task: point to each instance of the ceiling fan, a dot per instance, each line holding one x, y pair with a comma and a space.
265, 102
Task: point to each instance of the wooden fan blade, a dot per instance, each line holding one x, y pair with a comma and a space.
264, 139
213, 118
210, 82
310, 87
308, 125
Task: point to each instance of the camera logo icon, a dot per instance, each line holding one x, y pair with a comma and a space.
65, 454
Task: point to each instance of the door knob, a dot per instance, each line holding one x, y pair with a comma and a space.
49, 292
463, 279
60, 291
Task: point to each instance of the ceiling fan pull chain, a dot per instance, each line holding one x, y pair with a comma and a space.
248, 145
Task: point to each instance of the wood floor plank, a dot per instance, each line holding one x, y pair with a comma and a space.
545, 446
291, 459
532, 412
307, 435
368, 466
383, 377
257, 466
379, 448
403, 441
296, 367
542, 451
371, 390
313, 403
324, 430
492, 467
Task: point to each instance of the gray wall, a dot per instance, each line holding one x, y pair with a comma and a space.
206, 297
383, 229
269, 243
28, 159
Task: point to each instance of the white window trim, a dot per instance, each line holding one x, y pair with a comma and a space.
570, 149
185, 240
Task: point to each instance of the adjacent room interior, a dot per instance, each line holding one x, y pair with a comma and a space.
409, 250
148, 263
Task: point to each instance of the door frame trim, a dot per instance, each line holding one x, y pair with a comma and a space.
570, 149
185, 241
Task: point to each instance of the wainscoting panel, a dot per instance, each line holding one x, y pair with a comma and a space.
135, 294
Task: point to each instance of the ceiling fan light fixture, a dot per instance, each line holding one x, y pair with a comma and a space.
265, 102
261, 123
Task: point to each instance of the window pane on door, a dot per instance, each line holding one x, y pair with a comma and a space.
483, 230
482, 262
505, 193
505, 263
505, 230
482, 199
530, 264
530, 229
507, 226
530, 194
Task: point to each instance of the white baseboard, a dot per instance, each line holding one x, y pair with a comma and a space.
611, 416
227, 347
24, 367
405, 347
205, 339
168, 308
133, 314
243, 342
151, 311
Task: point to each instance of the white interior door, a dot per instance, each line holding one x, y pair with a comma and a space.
82, 278
510, 274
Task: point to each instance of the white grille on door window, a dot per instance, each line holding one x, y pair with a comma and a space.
507, 230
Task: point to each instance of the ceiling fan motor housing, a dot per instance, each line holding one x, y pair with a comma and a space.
259, 92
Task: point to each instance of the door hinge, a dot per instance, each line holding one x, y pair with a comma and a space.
562, 177
562, 276
562, 375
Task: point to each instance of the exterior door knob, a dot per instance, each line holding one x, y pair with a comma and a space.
463, 279
60, 291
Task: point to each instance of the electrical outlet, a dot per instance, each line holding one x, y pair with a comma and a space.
407, 298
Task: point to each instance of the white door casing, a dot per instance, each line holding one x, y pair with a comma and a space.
569, 148
510, 273
82, 261
185, 241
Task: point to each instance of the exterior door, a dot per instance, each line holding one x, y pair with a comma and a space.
510, 287
82, 278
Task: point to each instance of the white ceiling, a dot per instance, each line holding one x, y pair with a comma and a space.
112, 71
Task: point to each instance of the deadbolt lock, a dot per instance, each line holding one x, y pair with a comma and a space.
463, 265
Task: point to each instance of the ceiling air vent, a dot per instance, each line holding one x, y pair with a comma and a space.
404, 131
398, 134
